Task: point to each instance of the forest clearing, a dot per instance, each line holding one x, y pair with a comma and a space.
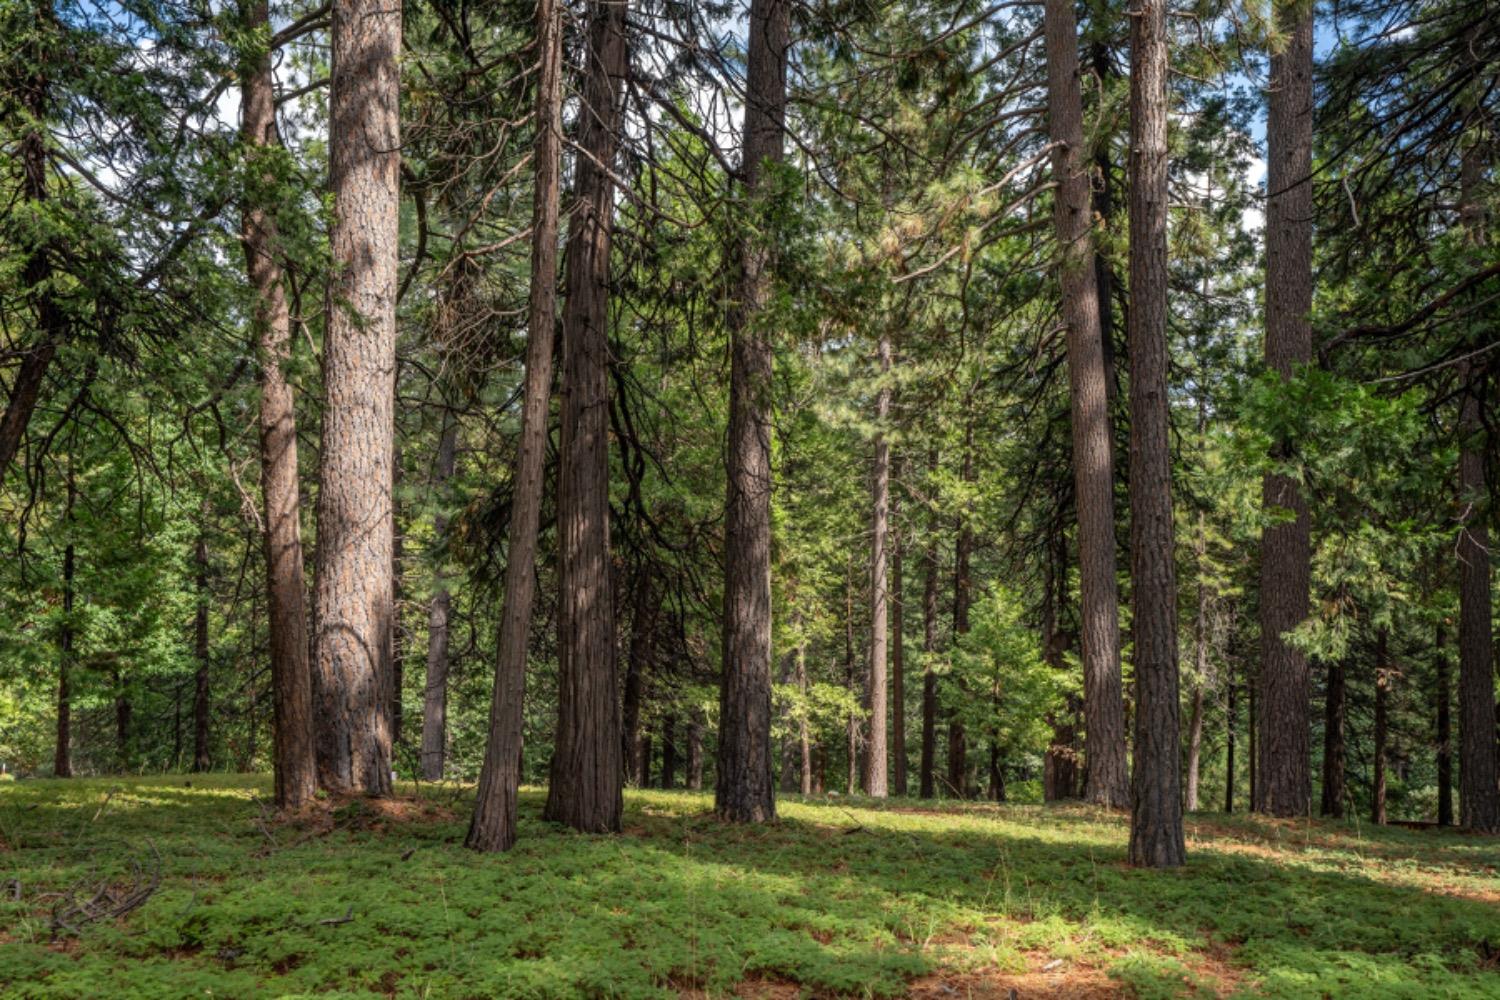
851, 899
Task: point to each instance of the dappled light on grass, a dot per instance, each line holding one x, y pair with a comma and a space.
844, 897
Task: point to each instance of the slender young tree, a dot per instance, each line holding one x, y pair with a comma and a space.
927, 784
1332, 804
493, 826
876, 775
1088, 385
286, 595
587, 778
353, 588
1283, 775
744, 790
1156, 837
201, 761
435, 684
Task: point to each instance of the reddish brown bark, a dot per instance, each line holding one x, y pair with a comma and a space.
1088, 380
493, 826
876, 773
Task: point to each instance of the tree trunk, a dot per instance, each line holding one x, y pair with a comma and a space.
1229, 728
1478, 795
851, 726
396, 680
37, 272
637, 665
876, 774
1444, 728
744, 790
1382, 694
997, 774
435, 688
353, 590
62, 760
963, 596
1332, 804
1200, 654
286, 595
669, 752
585, 791
493, 826
929, 677
695, 751
898, 660
1194, 750
1093, 464
122, 721
1060, 771
201, 760
804, 738
1283, 773
643, 760
1156, 835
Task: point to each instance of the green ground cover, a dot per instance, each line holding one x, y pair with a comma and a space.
838, 898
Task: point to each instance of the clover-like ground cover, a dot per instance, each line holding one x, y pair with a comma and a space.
837, 898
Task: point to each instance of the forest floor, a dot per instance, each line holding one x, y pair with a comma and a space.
185, 886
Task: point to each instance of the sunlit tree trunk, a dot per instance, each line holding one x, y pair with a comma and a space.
876, 774
353, 588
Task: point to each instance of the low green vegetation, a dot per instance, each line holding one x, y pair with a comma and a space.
838, 898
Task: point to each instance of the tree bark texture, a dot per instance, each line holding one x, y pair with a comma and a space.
898, 661
1334, 787
876, 773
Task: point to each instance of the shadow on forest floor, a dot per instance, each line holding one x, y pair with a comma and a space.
842, 897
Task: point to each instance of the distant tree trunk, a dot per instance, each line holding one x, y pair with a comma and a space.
851, 725
637, 664
201, 761
1444, 728
291, 674
1060, 772
898, 660
643, 761
353, 593
876, 775
1229, 728
62, 760
963, 596
788, 777
435, 688
1194, 749
744, 790
1093, 464
1478, 794
1200, 655
122, 720
929, 676
493, 826
37, 271
1382, 725
1252, 728
585, 791
997, 774
1332, 804
804, 739
1156, 835
1283, 781
669, 752
695, 751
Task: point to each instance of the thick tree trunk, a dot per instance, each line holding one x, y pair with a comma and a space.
1156, 835
1332, 804
876, 774
1478, 795
1444, 668
1382, 727
435, 687
898, 662
744, 790
1283, 774
587, 775
1093, 464
929, 677
493, 826
291, 674
353, 588
37, 272
201, 761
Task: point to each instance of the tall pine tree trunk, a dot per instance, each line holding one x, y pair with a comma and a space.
1156, 836
876, 775
1478, 796
1093, 464
585, 791
493, 826
286, 595
435, 684
898, 657
353, 588
963, 598
744, 791
1283, 781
